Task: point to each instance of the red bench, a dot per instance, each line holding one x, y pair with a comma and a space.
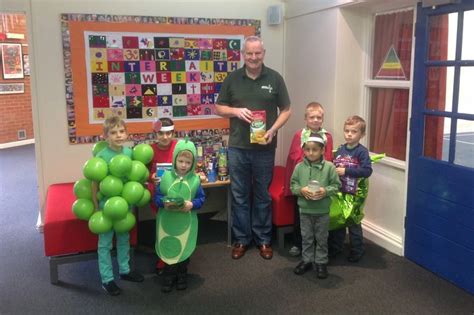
66, 238
283, 207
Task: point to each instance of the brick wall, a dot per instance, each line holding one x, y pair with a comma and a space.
15, 109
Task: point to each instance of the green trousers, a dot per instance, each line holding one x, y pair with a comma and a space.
105, 260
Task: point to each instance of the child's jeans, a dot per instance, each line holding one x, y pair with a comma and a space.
337, 237
104, 256
314, 234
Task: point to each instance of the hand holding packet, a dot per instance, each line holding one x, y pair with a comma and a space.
173, 203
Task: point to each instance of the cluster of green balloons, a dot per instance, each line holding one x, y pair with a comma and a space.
120, 186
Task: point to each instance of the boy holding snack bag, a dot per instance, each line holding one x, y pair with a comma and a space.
314, 118
178, 194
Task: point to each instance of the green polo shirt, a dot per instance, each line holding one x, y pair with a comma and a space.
268, 92
107, 153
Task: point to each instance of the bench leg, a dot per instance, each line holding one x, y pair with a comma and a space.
281, 232
53, 271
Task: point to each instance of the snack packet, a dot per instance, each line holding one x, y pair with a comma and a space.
171, 203
258, 126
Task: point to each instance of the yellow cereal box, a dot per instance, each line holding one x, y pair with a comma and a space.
258, 126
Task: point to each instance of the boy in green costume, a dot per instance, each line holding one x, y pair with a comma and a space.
115, 132
178, 193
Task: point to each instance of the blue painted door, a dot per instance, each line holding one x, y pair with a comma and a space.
439, 224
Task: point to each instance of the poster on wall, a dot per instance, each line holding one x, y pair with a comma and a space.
12, 61
26, 65
147, 67
142, 76
12, 88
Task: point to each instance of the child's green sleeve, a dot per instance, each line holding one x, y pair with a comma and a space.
295, 183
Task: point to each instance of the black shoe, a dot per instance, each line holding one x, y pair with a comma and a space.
168, 283
302, 268
322, 271
132, 276
111, 288
182, 282
354, 257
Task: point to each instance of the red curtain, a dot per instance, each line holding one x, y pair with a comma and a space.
389, 107
436, 86
393, 29
388, 131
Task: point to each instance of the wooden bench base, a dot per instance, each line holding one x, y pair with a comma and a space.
55, 261
66, 238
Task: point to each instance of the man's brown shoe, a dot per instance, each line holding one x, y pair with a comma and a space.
238, 250
266, 251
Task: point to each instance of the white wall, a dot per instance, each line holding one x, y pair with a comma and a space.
310, 67
57, 160
326, 49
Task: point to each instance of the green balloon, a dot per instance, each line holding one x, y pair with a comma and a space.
132, 192
145, 176
145, 199
83, 208
99, 146
126, 224
115, 208
137, 172
95, 169
99, 224
83, 189
120, 165
143, 153
111, 186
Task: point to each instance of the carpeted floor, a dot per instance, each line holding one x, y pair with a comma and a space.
382, 283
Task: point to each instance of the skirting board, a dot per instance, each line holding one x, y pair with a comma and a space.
391, 242
16, 143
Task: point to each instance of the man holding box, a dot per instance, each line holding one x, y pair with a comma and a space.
250, 90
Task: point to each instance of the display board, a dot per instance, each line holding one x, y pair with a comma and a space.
143, 68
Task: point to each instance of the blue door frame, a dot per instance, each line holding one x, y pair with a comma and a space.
439, 224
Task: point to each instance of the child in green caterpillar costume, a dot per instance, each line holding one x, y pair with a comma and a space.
178, 193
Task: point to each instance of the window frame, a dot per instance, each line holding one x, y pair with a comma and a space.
369, 83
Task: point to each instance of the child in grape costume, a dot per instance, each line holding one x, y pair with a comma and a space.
178, 193
115, 132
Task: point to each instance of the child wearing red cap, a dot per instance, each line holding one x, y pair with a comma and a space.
162, 153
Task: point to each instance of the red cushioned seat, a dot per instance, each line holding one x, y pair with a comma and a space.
283, 207
63, 232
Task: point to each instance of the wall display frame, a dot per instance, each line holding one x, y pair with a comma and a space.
12, 88
26, 64
143, 68
12, 61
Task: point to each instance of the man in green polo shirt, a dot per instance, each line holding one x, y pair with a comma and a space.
253, 87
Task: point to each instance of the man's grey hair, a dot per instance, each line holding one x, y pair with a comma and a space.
251, 39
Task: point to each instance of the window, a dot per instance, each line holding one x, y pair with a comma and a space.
389, 83
449, 120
